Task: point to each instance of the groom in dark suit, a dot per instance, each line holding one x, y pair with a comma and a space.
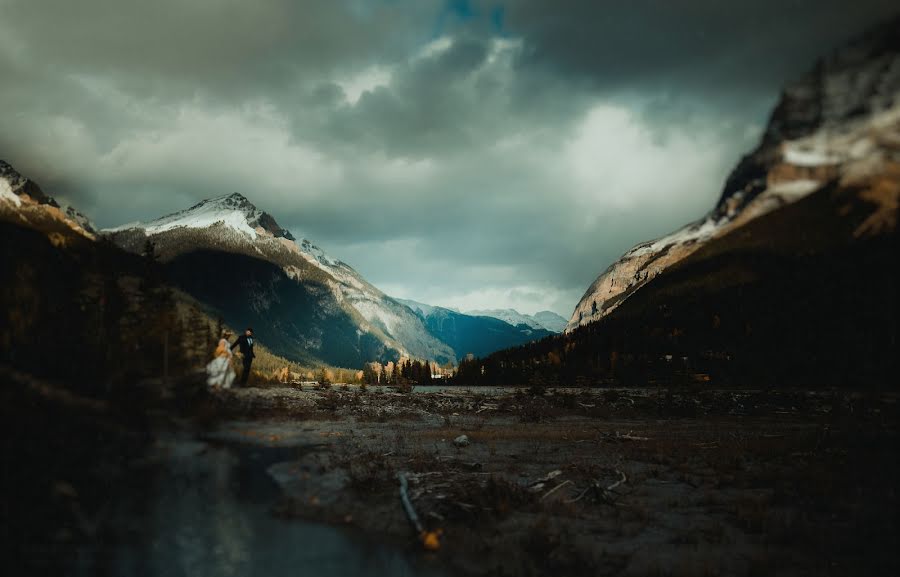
245, 342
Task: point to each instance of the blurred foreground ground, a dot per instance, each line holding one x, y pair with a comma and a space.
635, 482
567, 482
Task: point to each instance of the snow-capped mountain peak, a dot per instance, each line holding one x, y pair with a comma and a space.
551, 321
19, 185
234, 211
237, 213
22, 198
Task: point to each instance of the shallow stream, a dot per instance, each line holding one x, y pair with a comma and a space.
204, 509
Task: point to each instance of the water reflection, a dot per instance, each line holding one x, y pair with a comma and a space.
206, 513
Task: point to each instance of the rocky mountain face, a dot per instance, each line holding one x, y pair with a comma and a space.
836, 126
23, 201
544, 320
787, 282
233, 256
478, 335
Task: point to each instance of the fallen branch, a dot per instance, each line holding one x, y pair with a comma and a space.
580, 495
407, 504
624, 479
548, 476
425, 474
630, 437
430, 539
555, 489
538, 485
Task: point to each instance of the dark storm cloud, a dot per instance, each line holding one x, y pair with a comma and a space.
735, 45
226, 48
475, 154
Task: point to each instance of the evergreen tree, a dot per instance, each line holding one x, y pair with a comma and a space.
424, 378
369, 376
322, 378
406, 369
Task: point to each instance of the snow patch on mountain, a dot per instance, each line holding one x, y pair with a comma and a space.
318, 255
7, 194
694, 232
15, 182
83, 221
795, 189
808, 157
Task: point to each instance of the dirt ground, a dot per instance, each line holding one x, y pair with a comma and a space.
593, 482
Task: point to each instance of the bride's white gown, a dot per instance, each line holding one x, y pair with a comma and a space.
219, 372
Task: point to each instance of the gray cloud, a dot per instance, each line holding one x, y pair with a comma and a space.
473, 154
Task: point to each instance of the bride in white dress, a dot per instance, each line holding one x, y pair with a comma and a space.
219, 373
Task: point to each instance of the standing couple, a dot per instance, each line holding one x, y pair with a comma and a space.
220, 374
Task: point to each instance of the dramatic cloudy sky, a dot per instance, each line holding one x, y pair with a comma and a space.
465, 153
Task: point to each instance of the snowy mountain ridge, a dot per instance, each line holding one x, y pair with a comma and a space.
546, 320
479, 335
543, 320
